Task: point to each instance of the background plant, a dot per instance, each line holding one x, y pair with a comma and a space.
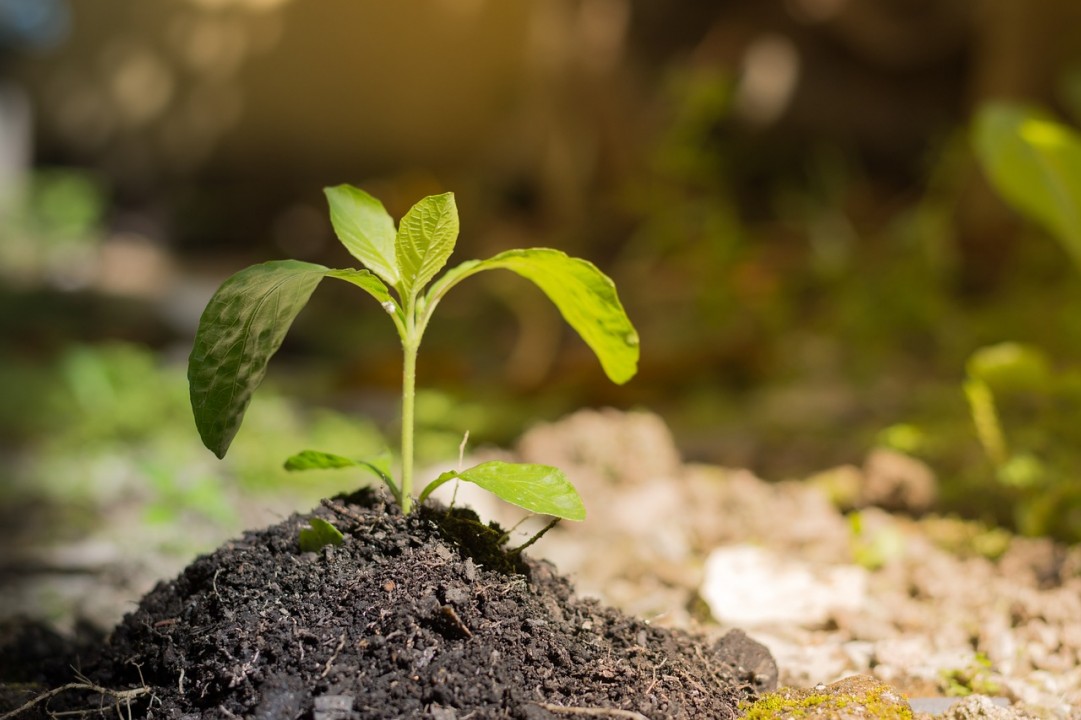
1025, 413
246, 321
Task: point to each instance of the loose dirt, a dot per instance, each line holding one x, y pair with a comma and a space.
933, 606
421, 616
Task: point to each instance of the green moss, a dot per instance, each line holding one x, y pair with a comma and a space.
973, 679
792, 704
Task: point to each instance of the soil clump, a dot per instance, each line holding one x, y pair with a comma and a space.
426, 615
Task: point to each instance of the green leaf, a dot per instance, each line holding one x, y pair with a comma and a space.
319, 534
426, 238
318, 460
1035, 164
372, 285
366, 281
1011, 367
585, 296
538, 488
365, 229
240, 329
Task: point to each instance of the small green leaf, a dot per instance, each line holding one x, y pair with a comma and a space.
1035, 164
426, 238
365, 229
366, 281
318, 460
585, 296
241, 328
319, 534
538, 488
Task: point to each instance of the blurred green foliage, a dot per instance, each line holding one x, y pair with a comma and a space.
795, 318
812, 315
110, 426
1023, 411
50, 227
1035, 164
1026, 417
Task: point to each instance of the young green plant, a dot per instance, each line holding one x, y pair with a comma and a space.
247, 319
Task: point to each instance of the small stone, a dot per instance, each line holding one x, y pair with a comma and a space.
470, 570
457, 596
438, 712
973, 707
895, 481
333, 707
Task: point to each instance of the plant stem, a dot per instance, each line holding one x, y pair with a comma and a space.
409, 380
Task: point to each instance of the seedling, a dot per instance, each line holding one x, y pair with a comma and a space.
247, 318
321, 533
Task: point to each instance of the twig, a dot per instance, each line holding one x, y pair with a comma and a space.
450, 614
118, 695
345, 512
518, 550
593, 712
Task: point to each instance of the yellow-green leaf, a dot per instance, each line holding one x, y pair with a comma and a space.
365, 229
1035, 164
426, 238
585, 296
538, 488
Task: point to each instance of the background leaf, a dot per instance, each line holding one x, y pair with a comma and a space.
1035, 164
365, 229
585, 296
242, 326
426, 238
538, 488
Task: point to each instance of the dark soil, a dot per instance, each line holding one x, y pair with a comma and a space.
421, 616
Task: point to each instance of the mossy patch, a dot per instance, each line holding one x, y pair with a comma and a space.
854, 697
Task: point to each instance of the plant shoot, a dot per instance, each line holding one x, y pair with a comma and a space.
247, 319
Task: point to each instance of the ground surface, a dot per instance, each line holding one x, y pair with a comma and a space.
410, 617
932, 606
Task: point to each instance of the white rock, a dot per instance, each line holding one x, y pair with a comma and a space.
751, 587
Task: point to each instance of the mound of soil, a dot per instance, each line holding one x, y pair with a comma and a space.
426, 615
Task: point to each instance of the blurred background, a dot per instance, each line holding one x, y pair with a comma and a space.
784, 191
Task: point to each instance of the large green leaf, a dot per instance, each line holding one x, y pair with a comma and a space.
365, 229
426, 238
585, 296
1035, 164
538, 488
242, 327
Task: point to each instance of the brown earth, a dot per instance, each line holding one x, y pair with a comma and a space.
421, 616
932, 605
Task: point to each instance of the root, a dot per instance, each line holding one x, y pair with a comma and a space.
593, 712
119, 696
